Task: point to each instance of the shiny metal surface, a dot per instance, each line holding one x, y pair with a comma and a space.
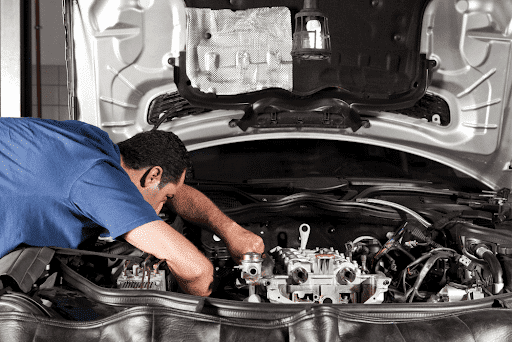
122, 64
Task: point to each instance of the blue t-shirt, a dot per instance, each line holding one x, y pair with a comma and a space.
61, 182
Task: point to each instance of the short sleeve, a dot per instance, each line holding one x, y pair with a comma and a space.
106, 195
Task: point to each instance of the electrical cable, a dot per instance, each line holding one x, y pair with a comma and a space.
390, 245
443, 254
415, 263
396, 206
149, 277
143, 275
366, 237
144, 265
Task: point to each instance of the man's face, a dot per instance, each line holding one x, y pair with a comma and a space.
148, 182
156, 196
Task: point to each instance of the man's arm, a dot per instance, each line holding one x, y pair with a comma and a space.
107, 196
195, 207
191, 268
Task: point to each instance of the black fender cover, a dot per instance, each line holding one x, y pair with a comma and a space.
316, 324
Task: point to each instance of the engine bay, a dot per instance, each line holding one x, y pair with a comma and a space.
369, 251
394, 245
371, 272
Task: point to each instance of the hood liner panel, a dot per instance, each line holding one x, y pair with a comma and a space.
373, 63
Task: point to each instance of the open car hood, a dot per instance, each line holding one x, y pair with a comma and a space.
432, 78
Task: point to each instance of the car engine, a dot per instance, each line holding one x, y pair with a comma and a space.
374, 257
316, 276
322, 275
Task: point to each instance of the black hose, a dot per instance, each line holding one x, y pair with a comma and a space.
494, 265
403, 250
118, 247
506, 261
426, 268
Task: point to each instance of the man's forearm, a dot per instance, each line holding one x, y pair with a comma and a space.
192, 269
195, 207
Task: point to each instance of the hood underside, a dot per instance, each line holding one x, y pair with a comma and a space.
428, 77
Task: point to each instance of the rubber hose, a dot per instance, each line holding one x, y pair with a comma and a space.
494, 265
506, 261
119, 247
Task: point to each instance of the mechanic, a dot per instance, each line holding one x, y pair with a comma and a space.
62, 183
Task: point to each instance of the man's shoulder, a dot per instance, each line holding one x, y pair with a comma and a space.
59, 127
53, 154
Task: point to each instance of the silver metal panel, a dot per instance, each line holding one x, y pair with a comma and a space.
122, 48
122, 52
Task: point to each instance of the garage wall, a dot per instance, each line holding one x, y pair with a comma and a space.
53, 70
54, 100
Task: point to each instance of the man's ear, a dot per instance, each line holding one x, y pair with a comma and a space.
152, 177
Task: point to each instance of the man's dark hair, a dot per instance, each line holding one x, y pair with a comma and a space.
156, 148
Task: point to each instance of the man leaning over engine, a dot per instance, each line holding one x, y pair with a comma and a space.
64, 182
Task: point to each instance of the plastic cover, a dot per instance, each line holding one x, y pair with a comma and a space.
235, 52
25, 265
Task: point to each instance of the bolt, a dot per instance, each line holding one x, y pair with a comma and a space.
462, 6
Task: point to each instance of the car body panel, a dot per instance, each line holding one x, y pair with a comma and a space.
122, 64
119, 63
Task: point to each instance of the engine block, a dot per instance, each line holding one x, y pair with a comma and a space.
142, 278
318, 276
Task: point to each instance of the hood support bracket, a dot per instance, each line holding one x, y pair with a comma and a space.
326, 113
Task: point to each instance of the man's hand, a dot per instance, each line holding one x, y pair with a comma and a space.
240, 241
195, 207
